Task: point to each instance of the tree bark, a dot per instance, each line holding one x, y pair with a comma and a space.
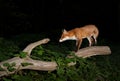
48, 66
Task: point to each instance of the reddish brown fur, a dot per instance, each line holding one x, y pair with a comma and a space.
86, 31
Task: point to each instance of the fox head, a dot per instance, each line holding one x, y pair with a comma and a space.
67, 35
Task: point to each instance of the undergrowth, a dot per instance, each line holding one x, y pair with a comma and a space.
97, 68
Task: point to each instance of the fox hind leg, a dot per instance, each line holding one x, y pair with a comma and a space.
95, 39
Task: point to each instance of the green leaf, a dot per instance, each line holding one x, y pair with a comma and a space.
6, 64
11, 69
23, 54
40, 52
60, 71
26, 64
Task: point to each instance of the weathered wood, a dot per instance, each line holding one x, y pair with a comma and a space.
93, 50
29, 48
48, 66
34, 65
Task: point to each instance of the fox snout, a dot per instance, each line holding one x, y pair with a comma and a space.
67, 38
64, 39
60, 41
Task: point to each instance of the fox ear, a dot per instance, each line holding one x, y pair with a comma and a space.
64, 31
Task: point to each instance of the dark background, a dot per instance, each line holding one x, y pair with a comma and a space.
51, 16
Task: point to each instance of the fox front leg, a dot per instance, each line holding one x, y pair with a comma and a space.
78, 44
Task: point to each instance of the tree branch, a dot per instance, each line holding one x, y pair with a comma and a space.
92, 51
47, 66
29, 48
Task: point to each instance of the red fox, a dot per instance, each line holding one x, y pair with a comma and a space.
88, 31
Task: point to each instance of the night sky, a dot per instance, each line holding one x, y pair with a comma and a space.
35, 16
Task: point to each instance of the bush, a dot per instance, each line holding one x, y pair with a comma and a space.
97, 68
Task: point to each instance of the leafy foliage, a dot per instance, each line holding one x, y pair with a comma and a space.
97, 68
21, 54
10, 67
7, 49
26, 64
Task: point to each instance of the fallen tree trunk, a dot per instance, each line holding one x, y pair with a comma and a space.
93, 50
19, 63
